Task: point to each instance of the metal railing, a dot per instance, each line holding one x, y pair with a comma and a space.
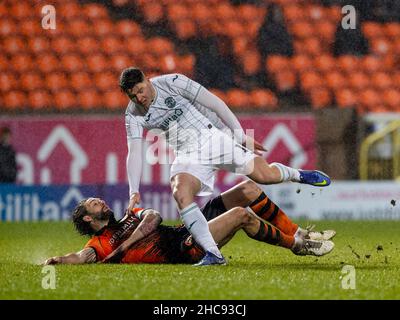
380, 154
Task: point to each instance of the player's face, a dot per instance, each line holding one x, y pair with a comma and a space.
98, 209
142, 93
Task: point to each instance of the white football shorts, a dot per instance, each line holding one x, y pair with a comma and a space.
220, 151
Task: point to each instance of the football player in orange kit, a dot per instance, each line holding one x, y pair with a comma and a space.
140, 237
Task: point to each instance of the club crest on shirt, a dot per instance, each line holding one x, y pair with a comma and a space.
170, 102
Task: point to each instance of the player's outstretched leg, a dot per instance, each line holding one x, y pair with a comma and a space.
184, 187
275, 172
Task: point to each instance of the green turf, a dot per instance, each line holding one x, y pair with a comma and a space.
255, 270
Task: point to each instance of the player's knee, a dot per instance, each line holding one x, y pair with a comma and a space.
182, 196
250, 189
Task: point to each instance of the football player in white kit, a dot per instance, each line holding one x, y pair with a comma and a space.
206, 136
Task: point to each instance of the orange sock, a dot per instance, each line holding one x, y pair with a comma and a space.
269, 211
272, 235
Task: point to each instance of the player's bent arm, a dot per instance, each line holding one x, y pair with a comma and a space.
151, 219
134, 165
211, 101
87, 255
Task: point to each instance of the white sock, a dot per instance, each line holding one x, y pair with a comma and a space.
287, 173
197, 225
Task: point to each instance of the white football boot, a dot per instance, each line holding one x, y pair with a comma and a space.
307, 247
309, 233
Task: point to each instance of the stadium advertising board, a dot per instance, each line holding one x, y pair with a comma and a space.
92, 149
342, 200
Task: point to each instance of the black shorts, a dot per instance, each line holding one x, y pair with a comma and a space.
177, 245
213, 208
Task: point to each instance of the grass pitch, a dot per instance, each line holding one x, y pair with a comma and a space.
255, 270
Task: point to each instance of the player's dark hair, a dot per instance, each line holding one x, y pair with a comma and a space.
82, 226
129, 78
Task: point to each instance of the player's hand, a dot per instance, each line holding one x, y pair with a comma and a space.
135, 199
113, 257
53, 260
254, 146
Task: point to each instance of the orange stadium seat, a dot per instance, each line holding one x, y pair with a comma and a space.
238, 99
348, 63
136, 46
201, 12
14, 100
334, 13
167, 63
247, 13
263, 99
335, 80
240, 45
277, 63
21, 10
381, 80
346, 98
7, 27
185, 29
112, 45
396, 79
233, 28
391, 98
47, 62
372, 29
315, 12
325, 63
251, 63
63, 45
358, 80
89, 99
31, 81
65, 99
95, 11
87, 45
22, 62
186, 64
150, 63
81, 81
160, 46
320, 98
29, 28
79, 28
69, 10
39, 45
310, 79
370, 99
97, 63
4, 63
106, 81
8, 81
371, 64
153, 12
128, 28
302, 30
392, 30
380, 46
325, 30
302, 63
178, 12
312, 46
285, 80
3, 11
40, 99
224, 11
56, 81
293, 12
72, 63
13, 45
120, 62
114, 100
